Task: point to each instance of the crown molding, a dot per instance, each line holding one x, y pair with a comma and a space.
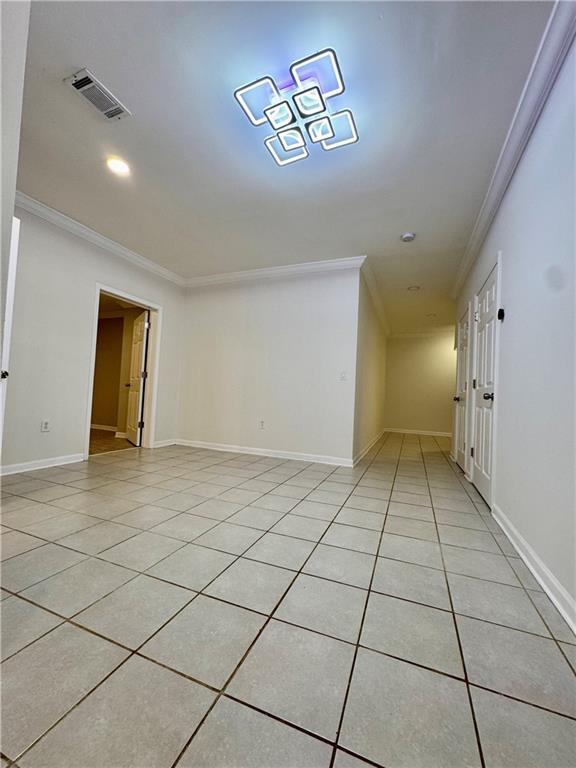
271, 273
552, 51
249, 275
372, 285
80, 230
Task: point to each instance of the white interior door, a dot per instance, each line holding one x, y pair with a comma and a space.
461, 396
134, 421
483, 385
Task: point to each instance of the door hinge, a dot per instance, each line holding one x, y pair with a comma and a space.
476, 316
501, 314
473, 383
140, 424
144, 374
147, 325
472, 452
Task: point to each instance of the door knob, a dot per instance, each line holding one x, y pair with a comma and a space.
488, 395
456, 399
4, 374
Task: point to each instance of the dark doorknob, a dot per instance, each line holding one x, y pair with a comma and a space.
488, 395
4, 374
456, 399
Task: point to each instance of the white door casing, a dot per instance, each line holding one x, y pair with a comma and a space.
483, 385
7, 316
462, 387
137, 373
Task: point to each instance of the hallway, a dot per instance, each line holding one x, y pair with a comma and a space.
263, 612
103, 441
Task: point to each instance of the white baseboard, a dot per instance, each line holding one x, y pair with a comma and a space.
559, 595
120, 434
105, 427
359, 456
28, 466
419, 432
310, 457
165, 443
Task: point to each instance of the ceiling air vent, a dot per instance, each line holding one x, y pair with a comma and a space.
100, 97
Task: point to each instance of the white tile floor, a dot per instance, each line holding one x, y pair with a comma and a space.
193, 608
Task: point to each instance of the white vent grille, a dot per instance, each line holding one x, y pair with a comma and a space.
100, 97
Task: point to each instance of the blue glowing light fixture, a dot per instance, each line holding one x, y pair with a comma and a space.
300, 111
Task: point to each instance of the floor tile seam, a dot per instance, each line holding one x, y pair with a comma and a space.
266, 623
460, 646
246, 653
534, 604
365, 608
101, 559
72, 708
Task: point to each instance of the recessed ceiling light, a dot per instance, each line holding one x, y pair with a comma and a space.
431, 314
407, 237
316, 79
413, 288
118, 166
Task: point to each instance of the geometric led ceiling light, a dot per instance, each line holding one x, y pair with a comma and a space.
300, 111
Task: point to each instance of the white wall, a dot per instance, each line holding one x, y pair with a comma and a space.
273, 351
52, 336
534, 484
420, 380
370, 373
14, 18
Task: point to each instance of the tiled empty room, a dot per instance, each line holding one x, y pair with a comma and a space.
287, 384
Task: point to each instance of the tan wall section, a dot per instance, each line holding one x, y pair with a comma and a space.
370, 373
107, 372
420, 380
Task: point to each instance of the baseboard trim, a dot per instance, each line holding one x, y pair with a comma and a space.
104, 427
165, 443
419, 432
359, 456
28, 466
294, 455
121, 435
559, 595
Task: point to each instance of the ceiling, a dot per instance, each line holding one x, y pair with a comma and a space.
433, 87
110, 303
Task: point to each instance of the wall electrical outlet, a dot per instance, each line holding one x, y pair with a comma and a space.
261, 424
45, 425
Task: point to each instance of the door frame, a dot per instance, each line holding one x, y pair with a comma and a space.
468, 370
496, 406
153, 363
8, 316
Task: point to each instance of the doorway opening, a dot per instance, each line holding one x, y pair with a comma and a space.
121, 388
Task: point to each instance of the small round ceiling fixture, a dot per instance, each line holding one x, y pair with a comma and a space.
413, 288
407, 237
118, 166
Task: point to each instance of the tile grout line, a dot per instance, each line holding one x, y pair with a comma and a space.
217, 522
368, 593
540, 613
456, 628
252, 644
135, 652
